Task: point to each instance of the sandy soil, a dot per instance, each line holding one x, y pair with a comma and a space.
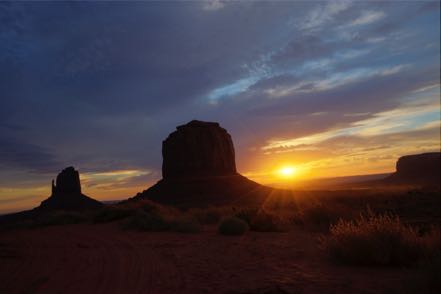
105, 259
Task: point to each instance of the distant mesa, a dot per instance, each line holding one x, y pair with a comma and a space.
199, 169
66, 194
420, 169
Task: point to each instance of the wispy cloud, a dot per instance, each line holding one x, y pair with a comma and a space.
323, 14
212, 5
111, 178
335, 80
406, 117
368, 17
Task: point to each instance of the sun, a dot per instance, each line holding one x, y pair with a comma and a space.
287, 171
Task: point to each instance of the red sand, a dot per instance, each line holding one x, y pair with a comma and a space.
106, 259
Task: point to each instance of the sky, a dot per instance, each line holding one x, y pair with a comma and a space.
331, 88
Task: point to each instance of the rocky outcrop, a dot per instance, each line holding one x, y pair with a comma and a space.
199, 169
68, 181
66, 194
420, 169
198, 149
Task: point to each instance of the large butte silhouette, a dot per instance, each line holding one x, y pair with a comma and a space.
417, 169
199, 169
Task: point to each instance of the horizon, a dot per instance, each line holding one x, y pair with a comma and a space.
307, 90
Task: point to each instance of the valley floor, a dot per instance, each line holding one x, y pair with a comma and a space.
88, 258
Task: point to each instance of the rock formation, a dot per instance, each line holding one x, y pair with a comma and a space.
420, 169
198, 149
66, 194
68, 181
199, 169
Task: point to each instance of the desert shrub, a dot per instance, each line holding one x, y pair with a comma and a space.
208, 216
260, 220
185, 226
246, 214
319, 214
149, 206
143, 221
233, 226
110, 214
374, 240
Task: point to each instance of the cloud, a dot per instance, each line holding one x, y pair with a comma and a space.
100, 85
212, 5
323, 14
116, 179
335, 80
304, 48
410, 116
368, 17
18, 154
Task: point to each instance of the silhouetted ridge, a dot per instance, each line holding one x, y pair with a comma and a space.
419, 169
66, 194
199, 169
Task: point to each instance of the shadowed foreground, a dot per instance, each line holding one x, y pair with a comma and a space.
87, 258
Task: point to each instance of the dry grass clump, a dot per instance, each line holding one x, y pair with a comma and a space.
129, 209
149, 206
153, 217
154, 222
320, 215
376, 240
233, 226
143, 221
260, 220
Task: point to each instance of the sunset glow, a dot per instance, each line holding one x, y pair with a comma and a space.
307, 90
243, 146
287, 172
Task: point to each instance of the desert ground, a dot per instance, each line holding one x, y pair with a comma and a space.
105, 259
108, 258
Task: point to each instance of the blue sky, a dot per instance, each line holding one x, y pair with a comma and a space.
100, 85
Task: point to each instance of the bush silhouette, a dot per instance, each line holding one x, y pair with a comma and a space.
260, 220
233, 226
207, 216
143, 221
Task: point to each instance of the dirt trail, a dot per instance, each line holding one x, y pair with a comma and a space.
106, 259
